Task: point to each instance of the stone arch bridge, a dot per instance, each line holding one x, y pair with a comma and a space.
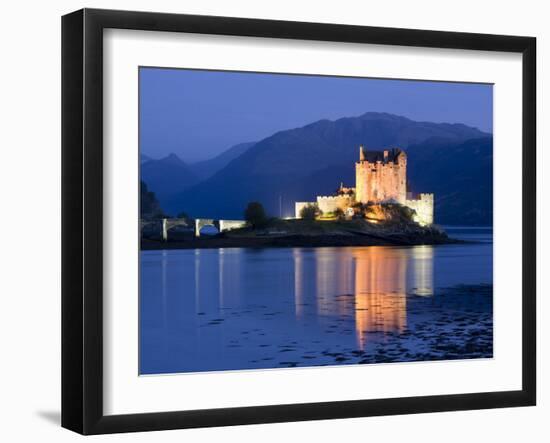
166, 224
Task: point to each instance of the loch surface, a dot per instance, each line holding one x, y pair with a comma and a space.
238, 308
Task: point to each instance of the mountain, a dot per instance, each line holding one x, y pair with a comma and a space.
167, 177
298, 164
144, 158
459, 174
208, 168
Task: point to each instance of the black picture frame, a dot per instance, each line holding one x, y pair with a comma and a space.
82, 218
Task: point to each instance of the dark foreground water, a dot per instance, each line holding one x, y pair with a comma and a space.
231, 309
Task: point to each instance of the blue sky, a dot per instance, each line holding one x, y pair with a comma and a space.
199, 114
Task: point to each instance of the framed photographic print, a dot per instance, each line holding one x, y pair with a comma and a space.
269, 221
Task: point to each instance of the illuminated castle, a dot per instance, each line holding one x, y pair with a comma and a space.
380, 177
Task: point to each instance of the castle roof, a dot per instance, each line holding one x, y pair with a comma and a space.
374, 156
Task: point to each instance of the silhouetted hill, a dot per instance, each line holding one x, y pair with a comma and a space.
298, 164
459, 174
167, 177
144, 158
208, 168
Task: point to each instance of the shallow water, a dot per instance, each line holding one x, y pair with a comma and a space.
238, 308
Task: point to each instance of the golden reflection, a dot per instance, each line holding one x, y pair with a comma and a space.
380, 291
366, 285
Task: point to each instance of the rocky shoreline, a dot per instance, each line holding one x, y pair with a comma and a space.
424, 237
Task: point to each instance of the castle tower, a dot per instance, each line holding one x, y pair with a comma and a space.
381, 176
361, 178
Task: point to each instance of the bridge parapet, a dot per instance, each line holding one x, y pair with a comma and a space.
145, 223
228, 225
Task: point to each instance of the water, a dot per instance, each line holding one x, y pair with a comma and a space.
234, 309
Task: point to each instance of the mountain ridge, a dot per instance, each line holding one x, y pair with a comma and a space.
206, 168
167, 176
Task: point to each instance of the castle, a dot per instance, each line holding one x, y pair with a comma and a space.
380, 177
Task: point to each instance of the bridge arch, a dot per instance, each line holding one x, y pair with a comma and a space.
203, 222
220, 225
169, 223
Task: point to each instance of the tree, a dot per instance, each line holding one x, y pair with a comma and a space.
186, 217
149, 206
399, 213
255, 216
339, 213
309, 212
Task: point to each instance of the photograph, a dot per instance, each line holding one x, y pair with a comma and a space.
268, 222
296, 220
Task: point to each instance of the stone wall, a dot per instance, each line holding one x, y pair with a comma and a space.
424, 207
329, 204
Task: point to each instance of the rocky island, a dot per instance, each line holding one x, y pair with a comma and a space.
379, 210
309, 233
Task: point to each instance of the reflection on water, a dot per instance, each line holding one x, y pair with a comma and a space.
204, 310
380, 283
374, 280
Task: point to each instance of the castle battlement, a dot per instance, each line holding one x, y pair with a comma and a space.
427, 197
420, 196
330, 203
332, 197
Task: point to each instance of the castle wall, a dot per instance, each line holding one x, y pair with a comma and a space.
424, 207
381, 182
328, 204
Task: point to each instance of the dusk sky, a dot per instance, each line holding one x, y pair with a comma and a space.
200, 114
